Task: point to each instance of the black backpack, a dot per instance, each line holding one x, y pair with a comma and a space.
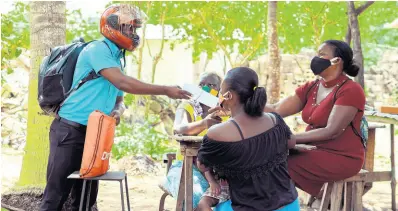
56, 76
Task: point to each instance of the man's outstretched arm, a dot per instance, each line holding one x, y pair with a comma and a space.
133, 86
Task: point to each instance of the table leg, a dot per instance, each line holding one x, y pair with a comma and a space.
370, 156
181, 189
188, 183
393, 180
370, 150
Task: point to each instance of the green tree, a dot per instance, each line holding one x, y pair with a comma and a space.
14, 33
78, 26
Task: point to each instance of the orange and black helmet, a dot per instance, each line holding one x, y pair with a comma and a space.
119, 23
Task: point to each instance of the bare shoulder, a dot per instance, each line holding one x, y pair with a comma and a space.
220, 132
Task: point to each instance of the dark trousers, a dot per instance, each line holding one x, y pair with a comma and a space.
66, 151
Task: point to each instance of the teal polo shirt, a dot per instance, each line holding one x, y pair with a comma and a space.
97, 94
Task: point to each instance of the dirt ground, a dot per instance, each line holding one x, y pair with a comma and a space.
145, 194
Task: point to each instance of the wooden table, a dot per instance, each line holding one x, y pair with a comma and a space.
189, 148
385, 118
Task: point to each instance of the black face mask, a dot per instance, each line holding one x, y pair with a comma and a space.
318, 65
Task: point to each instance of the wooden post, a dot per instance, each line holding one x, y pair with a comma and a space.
188, 182
327, 192
358, 196
181, 189
370, 150
393, 180
347, 196
370, 156
337, 194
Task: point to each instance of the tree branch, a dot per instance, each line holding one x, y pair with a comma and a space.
214, 36
358, 11
158, 56
363, 7
141, 50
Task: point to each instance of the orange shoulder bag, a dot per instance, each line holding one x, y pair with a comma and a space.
98, 144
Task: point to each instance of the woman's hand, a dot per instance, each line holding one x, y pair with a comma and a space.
304, 147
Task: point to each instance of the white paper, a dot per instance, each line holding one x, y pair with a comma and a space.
200, 95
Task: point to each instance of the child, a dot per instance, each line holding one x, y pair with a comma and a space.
218, 191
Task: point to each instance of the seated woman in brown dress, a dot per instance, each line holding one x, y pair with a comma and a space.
332, 107
250, 150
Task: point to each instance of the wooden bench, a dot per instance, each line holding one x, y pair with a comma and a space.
167, 159
355, 187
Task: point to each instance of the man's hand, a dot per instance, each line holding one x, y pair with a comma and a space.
212, 118
175, 92
215, 188
116, 114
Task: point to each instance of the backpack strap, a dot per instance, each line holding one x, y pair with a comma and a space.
312, 86
92, 75
337, 90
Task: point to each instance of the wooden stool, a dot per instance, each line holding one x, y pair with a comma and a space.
353, 191
109, 176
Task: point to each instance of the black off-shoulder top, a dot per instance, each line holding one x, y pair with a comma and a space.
255, 168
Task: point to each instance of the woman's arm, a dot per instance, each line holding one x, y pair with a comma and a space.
286, 107
339, 119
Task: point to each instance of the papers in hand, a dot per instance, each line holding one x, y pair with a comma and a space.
200, 95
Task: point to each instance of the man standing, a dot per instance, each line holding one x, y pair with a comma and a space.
118, 25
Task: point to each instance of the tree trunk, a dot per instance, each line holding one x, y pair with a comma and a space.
47, 30
358, 11
158, 56
141, 49
356, 37
273, 54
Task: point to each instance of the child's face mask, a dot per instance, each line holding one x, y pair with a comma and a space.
210, 90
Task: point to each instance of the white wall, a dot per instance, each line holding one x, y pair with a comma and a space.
176, 66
